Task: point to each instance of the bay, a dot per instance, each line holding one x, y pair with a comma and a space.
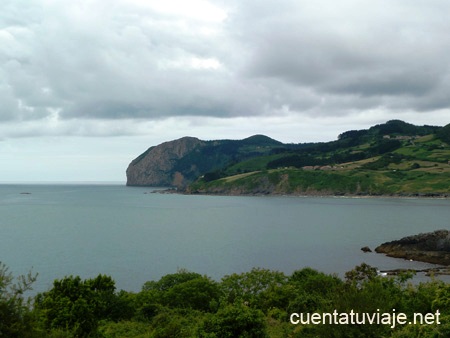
135, 235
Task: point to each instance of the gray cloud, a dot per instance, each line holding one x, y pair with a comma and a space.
393, 51
125, 59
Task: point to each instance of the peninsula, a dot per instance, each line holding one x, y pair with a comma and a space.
391, 159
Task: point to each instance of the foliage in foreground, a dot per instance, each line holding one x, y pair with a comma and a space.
257, 303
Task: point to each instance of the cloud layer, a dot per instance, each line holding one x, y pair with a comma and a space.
64, 62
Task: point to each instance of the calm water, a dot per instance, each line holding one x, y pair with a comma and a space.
135, 236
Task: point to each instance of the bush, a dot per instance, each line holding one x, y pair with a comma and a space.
129, 329
16, 318
184, 289
236, 320
258, 288
77, 305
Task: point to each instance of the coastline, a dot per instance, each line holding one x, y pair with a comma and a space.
174, 190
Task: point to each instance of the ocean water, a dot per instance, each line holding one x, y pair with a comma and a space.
135, 235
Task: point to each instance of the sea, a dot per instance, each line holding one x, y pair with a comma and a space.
138, 234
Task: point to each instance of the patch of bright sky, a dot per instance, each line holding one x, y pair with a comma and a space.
192, 9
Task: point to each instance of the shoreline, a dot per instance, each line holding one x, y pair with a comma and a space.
174, 190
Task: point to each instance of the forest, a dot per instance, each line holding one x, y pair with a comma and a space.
257, 303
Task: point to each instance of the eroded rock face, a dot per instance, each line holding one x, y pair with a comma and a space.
157, 166
431, 247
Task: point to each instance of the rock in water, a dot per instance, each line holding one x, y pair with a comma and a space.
431, 247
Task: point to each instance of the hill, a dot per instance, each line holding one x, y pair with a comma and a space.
395, 158
179, 162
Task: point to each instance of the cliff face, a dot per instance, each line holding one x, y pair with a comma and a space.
157, 166
180, 162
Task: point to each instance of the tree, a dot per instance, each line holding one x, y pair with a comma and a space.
184, 290
16, 319
253, 287
311, 290
237, 320
77, 304
444, 134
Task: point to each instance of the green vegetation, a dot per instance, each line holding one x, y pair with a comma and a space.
413, 181
16, 319
214, 156
394, 146
258, 303
444, 134
395, 158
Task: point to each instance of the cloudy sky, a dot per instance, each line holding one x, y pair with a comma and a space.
87, 85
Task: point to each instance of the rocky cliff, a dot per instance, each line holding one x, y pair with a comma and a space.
178, 163
432, 247
365, 162
158, 165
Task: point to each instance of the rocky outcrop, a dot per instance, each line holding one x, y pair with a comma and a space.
158, 165
180, 162
432, 247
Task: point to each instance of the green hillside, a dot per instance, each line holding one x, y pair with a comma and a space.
395, 158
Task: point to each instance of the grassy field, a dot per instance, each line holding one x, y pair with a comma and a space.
374, 165
321, 182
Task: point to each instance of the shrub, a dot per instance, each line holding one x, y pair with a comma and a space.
16, 318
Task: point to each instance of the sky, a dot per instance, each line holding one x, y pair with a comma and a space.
86, 86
